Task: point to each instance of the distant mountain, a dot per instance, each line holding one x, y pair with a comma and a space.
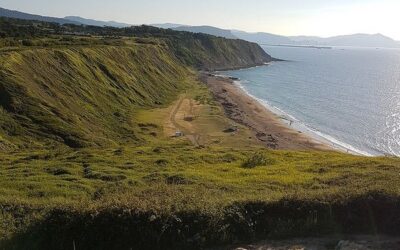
96, 22
262, 38
70, 19
307, 40
362, 40
355, 40
26, 16
207, 30
166, 25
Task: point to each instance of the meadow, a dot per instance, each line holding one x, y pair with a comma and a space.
168, 191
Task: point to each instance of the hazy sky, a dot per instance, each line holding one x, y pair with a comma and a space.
286, 17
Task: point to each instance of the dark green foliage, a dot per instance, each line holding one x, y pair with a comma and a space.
162, 162
27, 43
58, 171
122, 228
256, 160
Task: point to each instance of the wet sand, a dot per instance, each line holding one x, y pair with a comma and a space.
266, 126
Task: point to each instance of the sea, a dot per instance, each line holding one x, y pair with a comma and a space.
344, 96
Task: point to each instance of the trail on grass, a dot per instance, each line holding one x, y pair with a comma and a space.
189, 133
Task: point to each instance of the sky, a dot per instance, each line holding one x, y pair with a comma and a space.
285, 17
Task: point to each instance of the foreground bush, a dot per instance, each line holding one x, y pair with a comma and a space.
119, 227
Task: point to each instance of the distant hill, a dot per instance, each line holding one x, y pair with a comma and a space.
69, 19
208, 30
97, 22
166, 25
262, 38
307, 40
362, 40
355, 40
26, 16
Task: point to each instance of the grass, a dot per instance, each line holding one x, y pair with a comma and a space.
84, 96
166, 180
178, 179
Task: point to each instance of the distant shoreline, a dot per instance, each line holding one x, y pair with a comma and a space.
299, 46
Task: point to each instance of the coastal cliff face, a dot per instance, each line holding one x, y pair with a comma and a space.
214, 53
82, 91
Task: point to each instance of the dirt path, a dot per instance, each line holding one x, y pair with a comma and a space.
174, 120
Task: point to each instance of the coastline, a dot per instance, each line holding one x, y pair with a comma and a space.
267, 126
295, 124
315, 140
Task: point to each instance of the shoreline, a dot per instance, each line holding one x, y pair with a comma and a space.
295, 124
320, 140
267, 127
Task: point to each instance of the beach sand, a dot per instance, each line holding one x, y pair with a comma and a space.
266, 126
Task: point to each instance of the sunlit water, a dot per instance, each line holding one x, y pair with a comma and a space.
350, 96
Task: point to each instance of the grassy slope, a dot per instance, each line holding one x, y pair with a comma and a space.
131, 185
83, 96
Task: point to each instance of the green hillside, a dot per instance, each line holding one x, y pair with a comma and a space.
83, 96
82, 91
88, 160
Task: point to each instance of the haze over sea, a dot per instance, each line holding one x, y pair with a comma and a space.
349, 96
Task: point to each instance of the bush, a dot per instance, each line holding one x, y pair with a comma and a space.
162, 162
27, 43
58, 171
258, 159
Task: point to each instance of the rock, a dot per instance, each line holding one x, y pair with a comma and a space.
348, 245
152, 218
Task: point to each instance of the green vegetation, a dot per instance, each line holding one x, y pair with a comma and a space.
256, 160
87, 157
175, 195
83, 96
195, 50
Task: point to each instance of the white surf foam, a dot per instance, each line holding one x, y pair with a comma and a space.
293, 122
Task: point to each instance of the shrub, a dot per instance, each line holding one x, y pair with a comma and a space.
162, 162
178, 180
27, 43
58, 171
258, 159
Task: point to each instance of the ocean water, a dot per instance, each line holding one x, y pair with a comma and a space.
349, 97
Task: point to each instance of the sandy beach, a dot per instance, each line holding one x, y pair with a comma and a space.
266, 126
